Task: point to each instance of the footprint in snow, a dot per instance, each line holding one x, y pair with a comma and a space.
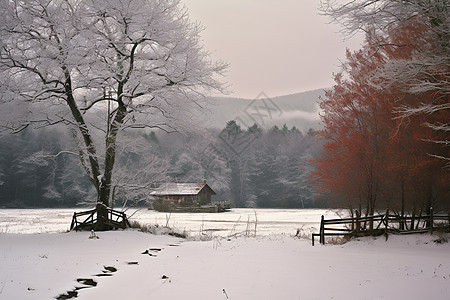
86, 283
152, 251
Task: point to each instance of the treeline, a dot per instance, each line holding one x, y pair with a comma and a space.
386, 132
250, 167
34, 172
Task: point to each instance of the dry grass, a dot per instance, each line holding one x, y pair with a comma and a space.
157, 230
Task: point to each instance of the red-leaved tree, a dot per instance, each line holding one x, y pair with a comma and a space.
375, 157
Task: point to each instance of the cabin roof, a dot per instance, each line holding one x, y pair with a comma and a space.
172, 189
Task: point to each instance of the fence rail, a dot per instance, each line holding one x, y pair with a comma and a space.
113, 220
381, 224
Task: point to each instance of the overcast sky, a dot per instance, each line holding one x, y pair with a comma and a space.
277, 47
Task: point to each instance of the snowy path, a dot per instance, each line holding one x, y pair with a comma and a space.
43, 266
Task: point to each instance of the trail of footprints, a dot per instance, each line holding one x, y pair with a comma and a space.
107, 272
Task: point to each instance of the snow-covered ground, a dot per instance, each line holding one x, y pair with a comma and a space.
268, 221
271, 266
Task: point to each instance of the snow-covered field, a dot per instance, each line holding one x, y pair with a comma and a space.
237, 221
268, 266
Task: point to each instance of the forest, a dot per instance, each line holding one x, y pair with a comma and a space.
113, 97
40, 168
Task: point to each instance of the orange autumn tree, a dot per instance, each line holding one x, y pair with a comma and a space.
353, 160
371, 158
424, 29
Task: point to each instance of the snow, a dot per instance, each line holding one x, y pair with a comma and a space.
270, 266
269, 221
170, 189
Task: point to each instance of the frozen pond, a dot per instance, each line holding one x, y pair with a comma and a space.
237, 221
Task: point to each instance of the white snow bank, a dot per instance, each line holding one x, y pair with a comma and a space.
43, 266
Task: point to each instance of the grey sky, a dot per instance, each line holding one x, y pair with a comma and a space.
278, 47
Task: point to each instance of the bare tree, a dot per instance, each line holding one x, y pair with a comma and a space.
426, 72
101, 67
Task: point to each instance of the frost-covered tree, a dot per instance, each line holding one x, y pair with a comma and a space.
275, 169
138, 170
194, 158
38, 172
425, 71
370, 160
101, 67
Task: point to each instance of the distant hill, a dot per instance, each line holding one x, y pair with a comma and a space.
300, 110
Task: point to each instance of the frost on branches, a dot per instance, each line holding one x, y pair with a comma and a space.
425, 71
377, 153
101, 67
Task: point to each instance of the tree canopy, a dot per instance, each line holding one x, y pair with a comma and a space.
383, 149
413, 36
101, 67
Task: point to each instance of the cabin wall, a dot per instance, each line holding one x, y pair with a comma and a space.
204, 197
181, 199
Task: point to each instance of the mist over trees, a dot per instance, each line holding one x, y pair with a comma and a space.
114, 78
272, 171
33, 175
101, 68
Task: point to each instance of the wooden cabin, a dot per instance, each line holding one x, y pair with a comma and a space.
182, 197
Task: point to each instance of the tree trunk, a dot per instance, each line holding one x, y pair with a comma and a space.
100, 182
94, 171
110, 158
102, 218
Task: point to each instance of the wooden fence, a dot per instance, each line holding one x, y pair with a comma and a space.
381, 224
89, 220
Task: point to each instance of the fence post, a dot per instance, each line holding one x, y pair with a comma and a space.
448, 214
353, 221
322, 231
357, 225
74, 219
431, 219
386, 223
